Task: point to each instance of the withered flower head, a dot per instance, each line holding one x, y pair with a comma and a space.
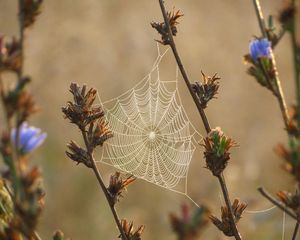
78, 154
5, 146
224, 225
99, 133
29, 208
18, 100
129, 232
82, 112
30, 10
290, 200
292, 127
206, 90
217, 146
162, 29
287, 13
291, 157
117, 185
189, 225
10, 54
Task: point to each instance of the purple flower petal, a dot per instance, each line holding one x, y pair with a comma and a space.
29, 138
34, 142
260, 48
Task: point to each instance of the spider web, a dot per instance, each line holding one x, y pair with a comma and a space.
153, 138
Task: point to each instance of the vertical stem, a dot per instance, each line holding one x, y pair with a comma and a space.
21, 36
182, 69
260, 18
279, 93
19, 73
201, 112
295, 231
102, 185
296, 59
228, 203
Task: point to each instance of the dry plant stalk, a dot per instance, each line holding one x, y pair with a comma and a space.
95, 131
22, 195
216, 160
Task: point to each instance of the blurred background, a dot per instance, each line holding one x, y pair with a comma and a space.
110, 45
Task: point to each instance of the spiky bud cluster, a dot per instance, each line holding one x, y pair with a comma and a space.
206, 90
224, 224
130, 233
89, 119
291, 200
162, 28
189, 225
217, 155
117, 186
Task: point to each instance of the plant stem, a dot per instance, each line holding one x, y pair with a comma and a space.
36, 236
182, 70
277, 203
201, 112
228, 203
296, 59
102, 185
260, 18
21, 36
279, 93
295, 231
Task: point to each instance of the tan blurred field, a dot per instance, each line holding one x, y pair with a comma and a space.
110, 45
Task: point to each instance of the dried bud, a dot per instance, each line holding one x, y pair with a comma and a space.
81, 112
99, 134
290, 200
30, 10
129, 232
189, 226
162, 29
217, 146
207, 90
29, 207
5, 147
287, 13
10, 54
117, 185
224, 225
58, 235
292, 127
291, 157
78, 154
18, 100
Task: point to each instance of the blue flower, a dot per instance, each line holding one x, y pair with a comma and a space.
260, 48
30, 138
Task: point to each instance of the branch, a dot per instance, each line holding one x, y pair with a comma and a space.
277, 203
260, 18
201, 112
182, 70
102, 185
279, 93
296, 59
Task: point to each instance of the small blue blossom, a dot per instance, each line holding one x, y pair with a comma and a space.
30, 138
260, 48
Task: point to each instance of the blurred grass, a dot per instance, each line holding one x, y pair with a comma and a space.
109, 45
